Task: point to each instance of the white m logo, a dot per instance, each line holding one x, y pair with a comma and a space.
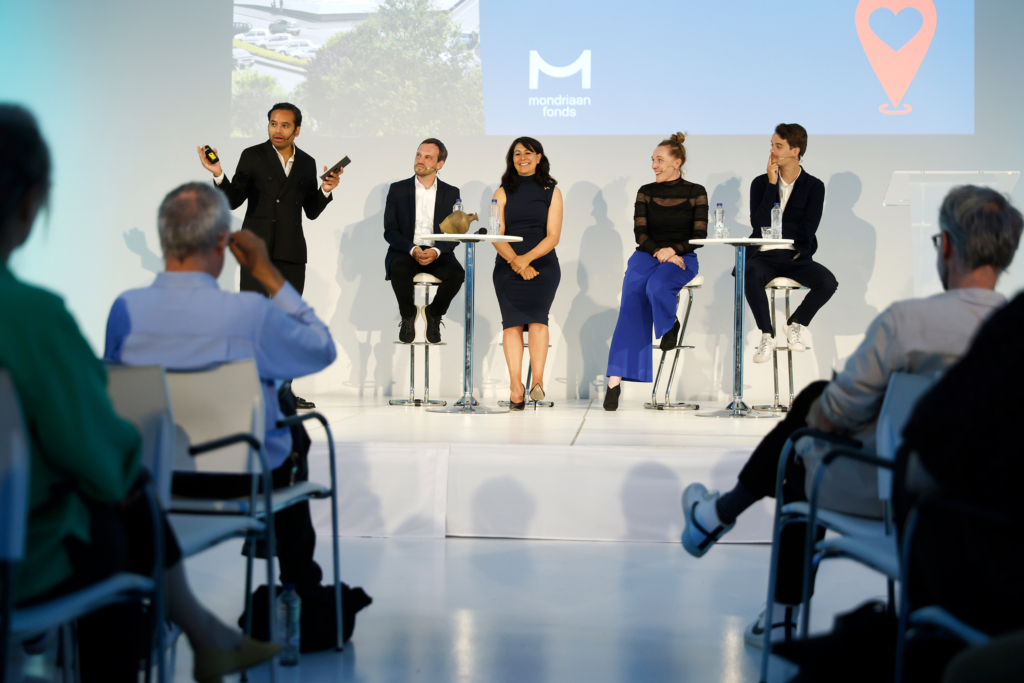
537, 65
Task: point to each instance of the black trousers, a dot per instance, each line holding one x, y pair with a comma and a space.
759, 475
293, 527
445, 267
765, 266
113, 641
294, 273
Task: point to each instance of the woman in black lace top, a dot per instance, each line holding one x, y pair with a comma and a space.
669, 213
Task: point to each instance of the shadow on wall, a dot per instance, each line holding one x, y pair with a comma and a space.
846, 246
363, 327
504, 508
590, 321
153, 262
650, 503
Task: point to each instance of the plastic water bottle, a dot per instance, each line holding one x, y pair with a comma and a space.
719, 216
495, 223
289, 613
776, 216
458, 205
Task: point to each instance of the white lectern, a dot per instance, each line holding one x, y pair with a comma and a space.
923, 192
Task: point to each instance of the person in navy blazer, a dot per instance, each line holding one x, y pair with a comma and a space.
414, 210
801, 197
280, 182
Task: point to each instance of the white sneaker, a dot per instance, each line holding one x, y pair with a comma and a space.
701, 528
764, 349
754, 634
793, 334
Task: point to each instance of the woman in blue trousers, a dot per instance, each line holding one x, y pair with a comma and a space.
668, 214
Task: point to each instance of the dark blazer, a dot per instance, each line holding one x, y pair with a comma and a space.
276, 202
400, 218
799, 220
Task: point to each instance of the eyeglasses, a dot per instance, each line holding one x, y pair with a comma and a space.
937, 240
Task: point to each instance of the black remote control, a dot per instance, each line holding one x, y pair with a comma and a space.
211, 155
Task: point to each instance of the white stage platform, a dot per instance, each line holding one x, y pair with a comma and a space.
572, 472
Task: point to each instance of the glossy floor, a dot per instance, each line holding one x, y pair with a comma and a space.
538, 611
574, 422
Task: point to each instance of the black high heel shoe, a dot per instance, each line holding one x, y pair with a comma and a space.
512, 405
611, 398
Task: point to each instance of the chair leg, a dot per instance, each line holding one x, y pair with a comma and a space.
339, 623
789, 353
668, 405
654, 405
777, 406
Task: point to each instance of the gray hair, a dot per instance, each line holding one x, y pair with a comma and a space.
191, 219
983, 227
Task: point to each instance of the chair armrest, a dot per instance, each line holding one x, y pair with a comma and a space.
297, 419
224, 442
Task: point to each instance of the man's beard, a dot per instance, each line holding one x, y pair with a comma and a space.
421, 172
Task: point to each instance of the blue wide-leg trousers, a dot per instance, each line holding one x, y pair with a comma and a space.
649, 291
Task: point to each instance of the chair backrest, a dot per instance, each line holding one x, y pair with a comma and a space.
14, 473
139, 395
217, 402
901, 396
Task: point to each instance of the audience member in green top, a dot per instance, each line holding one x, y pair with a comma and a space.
87, 519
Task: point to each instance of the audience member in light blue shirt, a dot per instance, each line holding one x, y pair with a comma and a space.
184, 321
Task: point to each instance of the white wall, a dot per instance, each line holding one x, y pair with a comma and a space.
127, 89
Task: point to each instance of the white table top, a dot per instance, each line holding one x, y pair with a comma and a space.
742, 241
470, 237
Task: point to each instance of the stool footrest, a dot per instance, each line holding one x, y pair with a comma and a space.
421, 343
671, 406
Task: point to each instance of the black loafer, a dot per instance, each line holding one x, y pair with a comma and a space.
303, 404
669, 341
611, 398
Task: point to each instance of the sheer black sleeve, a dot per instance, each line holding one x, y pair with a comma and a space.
699, 202
640, 230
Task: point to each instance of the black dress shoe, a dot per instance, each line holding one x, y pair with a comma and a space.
433, 332
303, 404
407, 330
512, 405
669, 340
611, 398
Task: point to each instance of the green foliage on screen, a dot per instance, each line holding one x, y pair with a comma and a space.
250, 93
402, 71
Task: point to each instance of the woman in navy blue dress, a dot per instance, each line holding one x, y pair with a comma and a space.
526, 273
668, 214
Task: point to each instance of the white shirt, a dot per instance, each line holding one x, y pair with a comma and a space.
785, 190
286, 165
426, 199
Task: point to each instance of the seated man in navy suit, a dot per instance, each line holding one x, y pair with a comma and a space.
415, 209
801, 197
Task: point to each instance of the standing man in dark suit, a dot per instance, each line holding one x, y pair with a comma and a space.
414, 210
801, 197
279, 181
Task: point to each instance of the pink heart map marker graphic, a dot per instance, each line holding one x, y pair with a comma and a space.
895, 68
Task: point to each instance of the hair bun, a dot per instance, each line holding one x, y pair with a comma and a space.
678, 138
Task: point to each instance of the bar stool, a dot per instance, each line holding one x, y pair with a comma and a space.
529, 376
787, 285
426, 281
693, 284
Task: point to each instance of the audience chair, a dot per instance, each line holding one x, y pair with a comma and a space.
19, 625
529, 379
787, 285
227, 400
902, 394
693, 284
426, 281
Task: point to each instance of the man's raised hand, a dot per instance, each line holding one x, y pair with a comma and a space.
332, 180
251, 252
211, 167
773, 168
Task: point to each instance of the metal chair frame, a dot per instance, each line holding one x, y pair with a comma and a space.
412, 400
777, 407
668, 405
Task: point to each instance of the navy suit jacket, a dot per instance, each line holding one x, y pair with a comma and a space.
275, 201
400, 218
800, 219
